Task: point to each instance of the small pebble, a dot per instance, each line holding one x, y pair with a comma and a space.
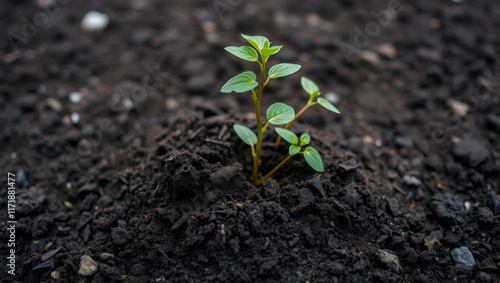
75, 118
54, 104
369, 58
68, 204
459, 108
467, 205
107, 256
208, 26
128, 103
332, 97
87, 266
171, 103
313, 20
55, 274
411, 180
463, 255
21, 181
386, 49
430, 242
390, 260
94, 21
75, 97
403, 141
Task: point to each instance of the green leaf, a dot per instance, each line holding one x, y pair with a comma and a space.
245, 134
305, 139
309, 86
287, 135
283, 69
257, 41
313, 158
325, 103
293, 149
280, 113
240, 83
266, 52
243, 52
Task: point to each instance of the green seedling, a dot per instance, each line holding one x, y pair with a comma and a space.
278, 113
312, 89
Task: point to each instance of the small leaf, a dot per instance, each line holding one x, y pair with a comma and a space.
243, 52
313, 158
283, 69
287, 135
257, 41
245, 134
293, 149
280, 113
305, 138
325, 103
266, 52
240, 83
309, 86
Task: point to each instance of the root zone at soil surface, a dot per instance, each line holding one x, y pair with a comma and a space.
153, 185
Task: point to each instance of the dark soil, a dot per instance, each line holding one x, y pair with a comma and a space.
152, 183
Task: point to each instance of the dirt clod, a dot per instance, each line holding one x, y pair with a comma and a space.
448, 209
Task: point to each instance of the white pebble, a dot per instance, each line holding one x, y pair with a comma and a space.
75, 118
55, 274
75, 97
94, 21
459, 108
87, 266
128, 103
411, 180
467, 205
332, 97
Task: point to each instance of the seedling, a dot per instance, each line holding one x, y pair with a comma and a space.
278, 113
312, 89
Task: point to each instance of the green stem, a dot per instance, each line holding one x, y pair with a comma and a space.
274, 170
309, 104
260, 132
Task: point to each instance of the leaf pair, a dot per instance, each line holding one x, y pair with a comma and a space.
246, 81
277, 114
261, 45
313, 90
310, 154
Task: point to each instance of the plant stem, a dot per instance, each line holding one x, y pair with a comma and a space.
309, 104
260, 132
274, 170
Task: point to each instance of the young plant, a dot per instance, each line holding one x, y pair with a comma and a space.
312, 89
277, 114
